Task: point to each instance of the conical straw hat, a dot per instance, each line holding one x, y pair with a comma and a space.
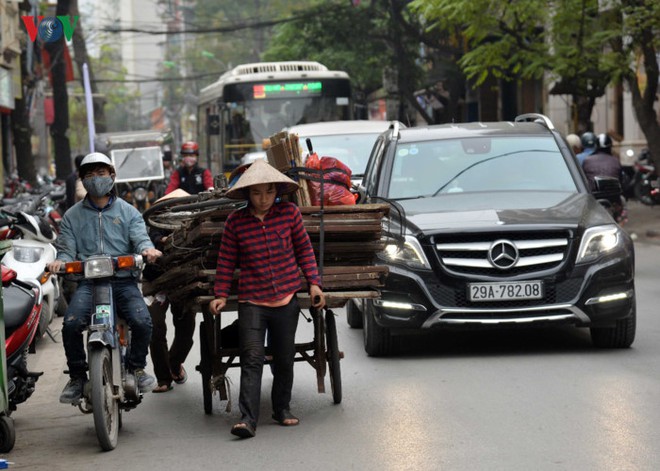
261, 172
178, 193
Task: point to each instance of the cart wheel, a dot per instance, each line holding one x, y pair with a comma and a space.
333, 355
205, 368
7, 434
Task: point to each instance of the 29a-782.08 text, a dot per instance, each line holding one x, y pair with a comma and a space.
505, 291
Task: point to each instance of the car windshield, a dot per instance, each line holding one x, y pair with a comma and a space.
351, 149
430, 168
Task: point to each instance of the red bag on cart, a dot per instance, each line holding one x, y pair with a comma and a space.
337, 184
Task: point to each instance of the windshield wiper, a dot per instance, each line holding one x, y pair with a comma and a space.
482, 161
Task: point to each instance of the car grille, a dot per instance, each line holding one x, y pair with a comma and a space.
491, 254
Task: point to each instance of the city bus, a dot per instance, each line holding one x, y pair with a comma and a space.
254, 101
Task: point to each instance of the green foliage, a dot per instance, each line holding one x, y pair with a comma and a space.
339, 37
583, 43
243, 44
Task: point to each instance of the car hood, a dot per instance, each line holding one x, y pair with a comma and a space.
496, 211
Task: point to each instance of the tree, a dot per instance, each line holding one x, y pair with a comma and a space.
583, 45
639, 42
369, 42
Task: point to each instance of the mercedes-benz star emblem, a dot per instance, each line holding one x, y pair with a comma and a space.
503, 254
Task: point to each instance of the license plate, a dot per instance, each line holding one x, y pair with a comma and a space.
505, 291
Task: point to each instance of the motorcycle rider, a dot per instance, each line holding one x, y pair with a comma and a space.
189, 176
603, 163
589, 144
103, 224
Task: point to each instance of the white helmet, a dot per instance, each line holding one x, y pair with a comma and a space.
95, 158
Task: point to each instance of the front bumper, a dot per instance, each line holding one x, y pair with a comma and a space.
594, 295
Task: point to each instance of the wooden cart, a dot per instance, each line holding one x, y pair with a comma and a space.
344, 238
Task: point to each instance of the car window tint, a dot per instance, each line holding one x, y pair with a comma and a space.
478, 164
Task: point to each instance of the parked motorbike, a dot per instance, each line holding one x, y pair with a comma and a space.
22, 311
645, 181
32, 249
111, 388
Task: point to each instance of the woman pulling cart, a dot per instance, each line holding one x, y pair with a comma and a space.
269, 243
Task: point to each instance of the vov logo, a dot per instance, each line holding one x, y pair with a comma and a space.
50, 28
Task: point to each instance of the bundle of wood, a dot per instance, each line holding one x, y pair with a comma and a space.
351, 238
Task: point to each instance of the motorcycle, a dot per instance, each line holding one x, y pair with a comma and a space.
22, 311
111, 388
141, 194
645, 181
32, 249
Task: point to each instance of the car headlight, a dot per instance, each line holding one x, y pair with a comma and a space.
597, 241
27, 254
410, 254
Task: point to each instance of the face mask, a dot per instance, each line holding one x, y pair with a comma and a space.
98, 186
189, 161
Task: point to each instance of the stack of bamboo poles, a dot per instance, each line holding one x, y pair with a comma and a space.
283, 154
351, 238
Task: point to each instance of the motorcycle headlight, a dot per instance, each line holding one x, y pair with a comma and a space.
410, 254
27, 254
99, 267
140, 194
597, 241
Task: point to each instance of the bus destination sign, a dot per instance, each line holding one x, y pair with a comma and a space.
286, 90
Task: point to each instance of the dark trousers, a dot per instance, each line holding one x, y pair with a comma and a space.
281, 323
168, 360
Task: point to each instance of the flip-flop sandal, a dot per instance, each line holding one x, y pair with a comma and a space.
161, 388
282, 416
182, 377
243, 430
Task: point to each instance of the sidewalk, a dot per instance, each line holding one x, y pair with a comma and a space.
643, 222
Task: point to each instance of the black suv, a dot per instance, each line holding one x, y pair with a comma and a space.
494, 224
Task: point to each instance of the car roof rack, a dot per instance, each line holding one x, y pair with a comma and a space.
394, 126
535, 118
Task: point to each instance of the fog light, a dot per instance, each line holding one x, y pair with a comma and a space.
609, 298
399, 305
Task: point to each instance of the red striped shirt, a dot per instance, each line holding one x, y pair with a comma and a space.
268, 254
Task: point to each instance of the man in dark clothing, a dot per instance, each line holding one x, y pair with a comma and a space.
71, 182
602, 163
189, 176
168, 361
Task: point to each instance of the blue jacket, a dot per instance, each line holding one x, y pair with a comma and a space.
117, 229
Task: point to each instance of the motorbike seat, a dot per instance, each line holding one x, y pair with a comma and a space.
18, 303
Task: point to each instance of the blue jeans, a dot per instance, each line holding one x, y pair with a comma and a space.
128, 299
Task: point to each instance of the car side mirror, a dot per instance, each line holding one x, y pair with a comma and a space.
361, 192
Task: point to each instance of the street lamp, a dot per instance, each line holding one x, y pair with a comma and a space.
210, 55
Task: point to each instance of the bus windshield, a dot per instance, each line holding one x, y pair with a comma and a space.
262, 119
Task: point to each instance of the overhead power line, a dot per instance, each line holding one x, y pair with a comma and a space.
163, 79
218, 29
